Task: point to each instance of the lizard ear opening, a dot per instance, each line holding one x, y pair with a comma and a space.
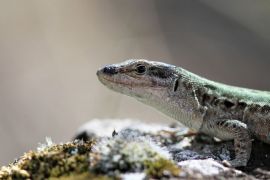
175, 85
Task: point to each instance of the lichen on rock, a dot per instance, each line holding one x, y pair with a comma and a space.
107, 158
130, 151
52, 161
137, 151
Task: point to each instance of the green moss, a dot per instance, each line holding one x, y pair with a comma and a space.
160, 168
83, 176
51, 161
109, 159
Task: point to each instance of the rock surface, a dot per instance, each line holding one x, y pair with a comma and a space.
129, 149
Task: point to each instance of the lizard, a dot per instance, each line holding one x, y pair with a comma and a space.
216, 109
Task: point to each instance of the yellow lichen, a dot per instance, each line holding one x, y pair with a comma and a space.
52, 161
84, 176
160, 168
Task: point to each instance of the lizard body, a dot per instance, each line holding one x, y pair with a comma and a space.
223, 111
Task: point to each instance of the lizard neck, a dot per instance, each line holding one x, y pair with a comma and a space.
189, 116
179, 100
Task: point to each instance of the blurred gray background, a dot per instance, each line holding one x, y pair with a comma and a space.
50, 51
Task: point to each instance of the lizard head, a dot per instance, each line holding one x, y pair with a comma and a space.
142, 79
165, 87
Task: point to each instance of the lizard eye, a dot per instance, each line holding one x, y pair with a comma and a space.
140, 69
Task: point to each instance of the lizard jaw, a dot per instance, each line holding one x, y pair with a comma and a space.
114, 83
106, 79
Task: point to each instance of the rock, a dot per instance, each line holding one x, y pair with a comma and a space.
189, 155
105, 127
133, 176
128, 149
207, 167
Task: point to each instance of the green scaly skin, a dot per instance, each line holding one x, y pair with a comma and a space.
219, 110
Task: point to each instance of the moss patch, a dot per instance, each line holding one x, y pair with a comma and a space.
83, 176
51, 161
102, 159
160, 168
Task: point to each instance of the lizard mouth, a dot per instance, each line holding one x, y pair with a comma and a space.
105, 79
113, 78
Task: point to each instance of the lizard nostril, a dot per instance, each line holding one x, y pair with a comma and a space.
109, 70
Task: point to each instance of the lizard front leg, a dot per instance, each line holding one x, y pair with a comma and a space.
236, 130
